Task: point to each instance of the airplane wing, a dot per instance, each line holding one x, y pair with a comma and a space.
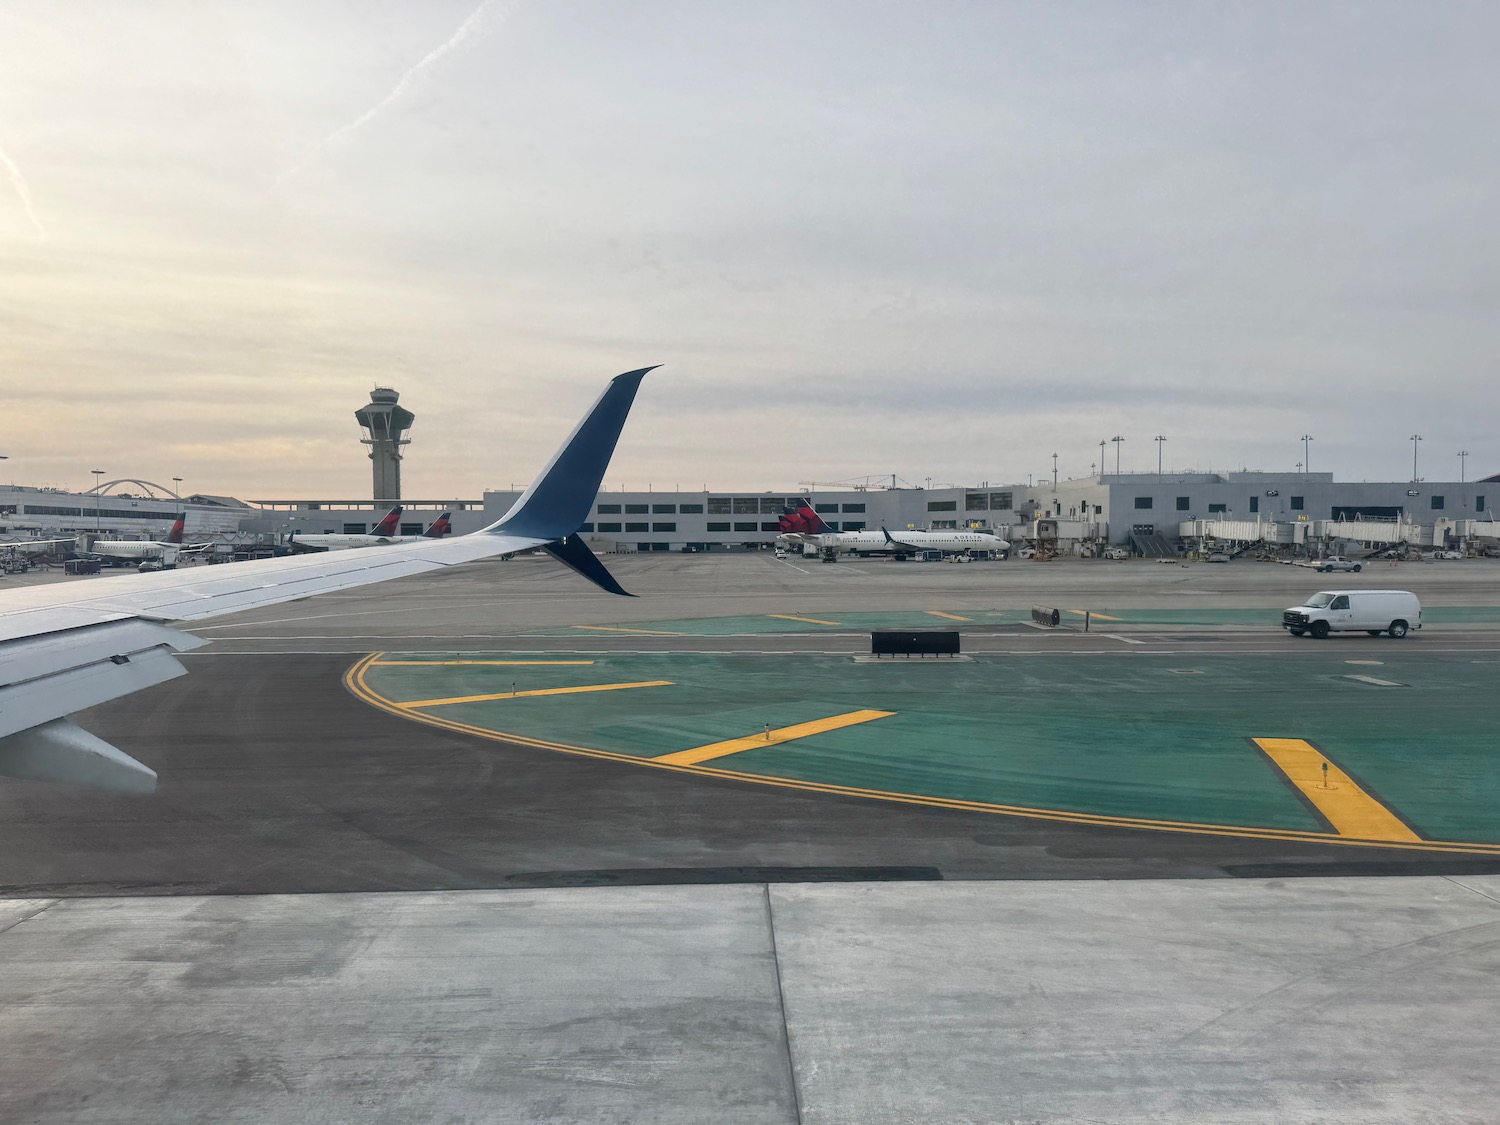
67, 647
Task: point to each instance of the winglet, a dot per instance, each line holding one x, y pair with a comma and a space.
574, 552
887, 535
559, 500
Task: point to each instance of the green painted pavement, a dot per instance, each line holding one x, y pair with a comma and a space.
1139, 736
783, 621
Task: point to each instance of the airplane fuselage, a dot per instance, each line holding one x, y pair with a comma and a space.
907, 542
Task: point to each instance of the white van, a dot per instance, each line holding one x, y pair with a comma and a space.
1347, 611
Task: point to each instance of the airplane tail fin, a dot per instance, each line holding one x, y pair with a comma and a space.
561, 497
440, 527
390, 524
798, 518
175, 535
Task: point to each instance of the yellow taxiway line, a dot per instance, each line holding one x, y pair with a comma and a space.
487, 663
354, 680
949, 616
1096, 616
637, 632
768, 738
1346, 806
809, 620
534, 691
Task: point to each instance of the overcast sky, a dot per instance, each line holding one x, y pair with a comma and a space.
936, 240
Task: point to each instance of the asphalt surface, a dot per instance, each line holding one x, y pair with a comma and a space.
275, 779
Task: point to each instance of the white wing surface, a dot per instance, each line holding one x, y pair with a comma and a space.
67, 647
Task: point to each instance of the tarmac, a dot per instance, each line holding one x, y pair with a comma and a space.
330, 911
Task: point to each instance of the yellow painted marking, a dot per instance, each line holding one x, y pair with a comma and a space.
949, 616
784, 734
354, 680
810, 620
638, 632
534, 691
1347, 807
454, 663
1096, 616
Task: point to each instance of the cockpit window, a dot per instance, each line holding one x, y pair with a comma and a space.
1319, 601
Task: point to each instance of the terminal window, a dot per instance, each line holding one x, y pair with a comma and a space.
741, 525
1213, 508
412, 529
853, 508
718, 526
770, 527
1002, 501
746, 505
637, 527
718, 505
1437, 503
690, 509
663, 527
854, 525
1182, 503
977, 502
586, 527
354, 529
1255, 503
663, 509
609, 509
942, 505
635, 509
826, 509
1296, 503
1479, 503
1143, 502
772, 505
833, 525
609, 527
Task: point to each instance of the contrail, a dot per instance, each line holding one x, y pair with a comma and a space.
18, 181
465, 31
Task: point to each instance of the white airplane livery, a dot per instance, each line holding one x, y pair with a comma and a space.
166, 549
384, 533
68, 646
802, 524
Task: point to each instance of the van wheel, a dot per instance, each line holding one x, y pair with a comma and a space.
1320, 630
1398, 629
1356, 568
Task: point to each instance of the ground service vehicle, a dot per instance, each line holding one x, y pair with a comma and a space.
1337, 562
1346, 611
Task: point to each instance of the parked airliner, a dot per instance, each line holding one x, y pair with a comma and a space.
802, 526
384, 533
166, 549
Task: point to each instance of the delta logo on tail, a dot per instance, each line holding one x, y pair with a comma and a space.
388, 526
798, 518
440, 527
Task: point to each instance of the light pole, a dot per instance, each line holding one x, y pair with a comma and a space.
1159, 438
1101, 456
1117, 439
1463, 456
1054, 472
1414, 439
178, 482
97, 474
1306, 460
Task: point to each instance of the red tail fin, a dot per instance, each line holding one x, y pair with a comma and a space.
440, 527
391, 522
799, 518
175, 535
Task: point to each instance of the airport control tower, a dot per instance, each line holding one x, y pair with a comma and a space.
386, 423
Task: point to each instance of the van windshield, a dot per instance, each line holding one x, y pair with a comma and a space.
1319, 601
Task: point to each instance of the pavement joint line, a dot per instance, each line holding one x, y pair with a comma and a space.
1338, 798
355, 682
1375, 681
768, 738
531, 692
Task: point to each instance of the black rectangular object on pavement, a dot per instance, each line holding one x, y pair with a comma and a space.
935, 642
